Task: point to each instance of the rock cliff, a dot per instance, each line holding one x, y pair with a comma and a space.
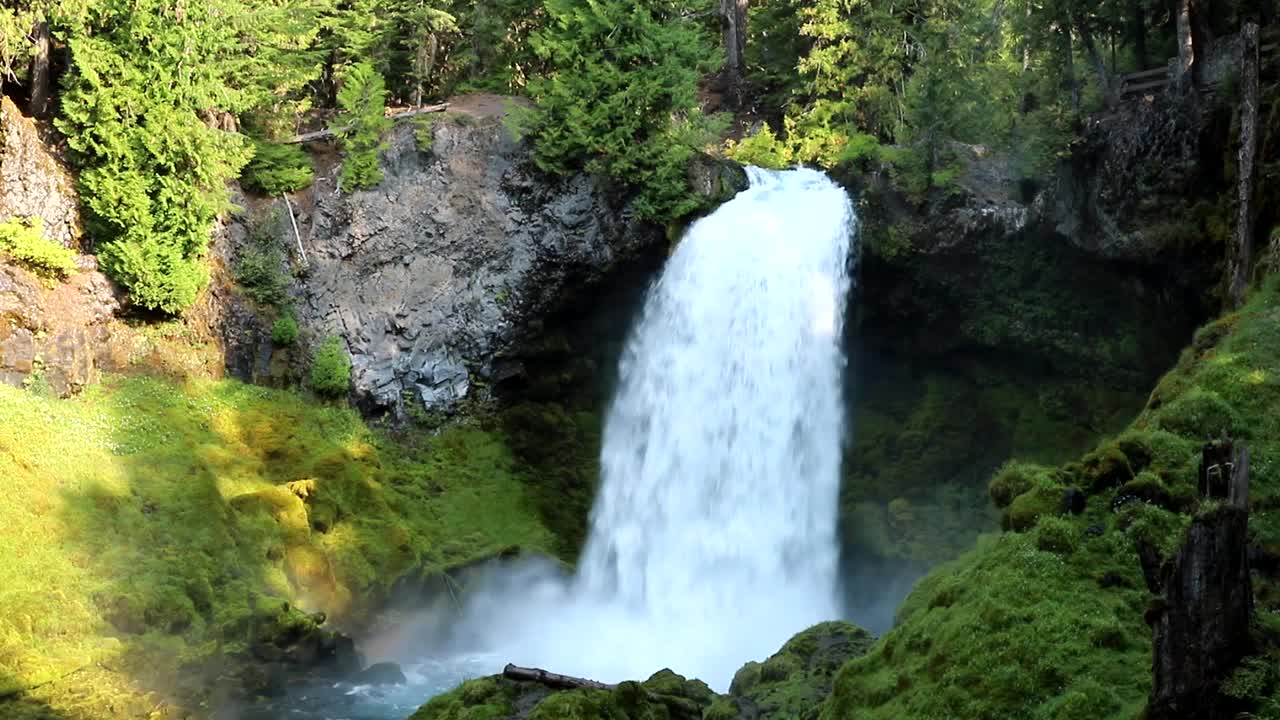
33, 183
431, 277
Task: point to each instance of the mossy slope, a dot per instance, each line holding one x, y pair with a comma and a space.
147, 525
1048, 623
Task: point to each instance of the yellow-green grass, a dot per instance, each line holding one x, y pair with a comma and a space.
142, 523
1048, 622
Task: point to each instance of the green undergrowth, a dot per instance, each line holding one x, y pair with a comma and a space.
148, 523
1046, 620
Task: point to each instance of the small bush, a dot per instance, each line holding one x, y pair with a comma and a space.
1011, 480
277, 168
24, 241
259, 268
424, 131
1044, 498
331, 368
1056, 535
763, 149
285, 331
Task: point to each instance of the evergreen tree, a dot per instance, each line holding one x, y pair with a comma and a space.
154, 173
620, 95
362, 100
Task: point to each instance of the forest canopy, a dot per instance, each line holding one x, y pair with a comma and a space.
164, 102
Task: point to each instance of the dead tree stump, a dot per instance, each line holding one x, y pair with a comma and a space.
1201, 622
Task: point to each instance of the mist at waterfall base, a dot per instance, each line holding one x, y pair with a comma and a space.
713, 537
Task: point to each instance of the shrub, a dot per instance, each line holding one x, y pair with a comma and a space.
24, 241
1056, 535
331, 368
259, 266
424, 131
277, 168
1011, 480
762, 149
1044, 498
285, 331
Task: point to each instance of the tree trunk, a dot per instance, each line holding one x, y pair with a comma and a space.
733, 14
1095, 59
40, 70
1201, 622
1186, 51
553, 680
1139, 32
1069, 67
1242, 262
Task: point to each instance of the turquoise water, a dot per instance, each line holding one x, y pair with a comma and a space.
344, 701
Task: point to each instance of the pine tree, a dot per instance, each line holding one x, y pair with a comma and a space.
154, 173
620, 93
362, 100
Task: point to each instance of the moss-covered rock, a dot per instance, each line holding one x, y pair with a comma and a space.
793, 682
1050, 623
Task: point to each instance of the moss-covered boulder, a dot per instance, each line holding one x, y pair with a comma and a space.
793, 682
664, 696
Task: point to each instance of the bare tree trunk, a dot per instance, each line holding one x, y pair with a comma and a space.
1139, 32
553, 680
1095, 59
40, 70
733, 14
1243, 259
1186, 51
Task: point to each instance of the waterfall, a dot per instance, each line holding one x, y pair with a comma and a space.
713, 537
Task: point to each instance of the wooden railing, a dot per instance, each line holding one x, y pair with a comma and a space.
1157, 79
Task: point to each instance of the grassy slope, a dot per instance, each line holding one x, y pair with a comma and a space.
144, 521
1049, 623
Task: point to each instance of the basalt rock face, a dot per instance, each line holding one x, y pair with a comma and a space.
431, 277
63, 336
33, 183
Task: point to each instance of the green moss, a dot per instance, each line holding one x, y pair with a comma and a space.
1011, 629
793, 682
722, 708
1007, 630
1011, 480
176, 519
24, 242
1045, 498
481, 699
1057, 535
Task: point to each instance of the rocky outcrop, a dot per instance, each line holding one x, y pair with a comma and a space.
60, 337
33, 183
432, 276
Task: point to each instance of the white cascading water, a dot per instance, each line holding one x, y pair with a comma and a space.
713, 538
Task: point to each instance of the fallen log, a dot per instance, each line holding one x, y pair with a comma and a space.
553, 680
330, 134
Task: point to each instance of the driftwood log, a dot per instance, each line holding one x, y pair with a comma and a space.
330, 134
553, 680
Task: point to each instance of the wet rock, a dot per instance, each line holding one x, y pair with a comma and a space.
385, 673
716, 179
33, 182
1074, 501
